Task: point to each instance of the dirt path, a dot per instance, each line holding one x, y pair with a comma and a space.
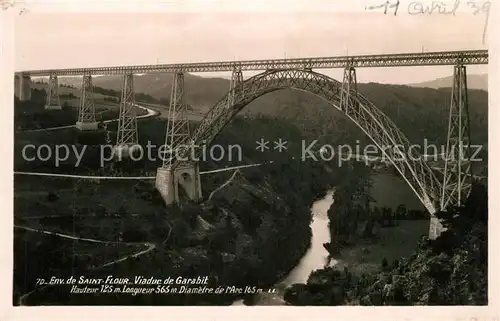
149, 247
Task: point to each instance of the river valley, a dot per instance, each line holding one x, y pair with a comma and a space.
315, 258
394, 242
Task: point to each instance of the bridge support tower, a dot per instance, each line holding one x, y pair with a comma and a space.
174, 172
86, 113
457, 176
53, 101
127, 140
22, 86
349, 86
236, 80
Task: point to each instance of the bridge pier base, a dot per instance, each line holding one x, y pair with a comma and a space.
53, 107
169, 180
83, 126
435, 227
125, 151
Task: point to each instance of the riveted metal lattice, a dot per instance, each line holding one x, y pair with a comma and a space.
53, 92
363, 113
127, 122
350, 84
86, 113
236, 79
457, 181
468, 57
178, 132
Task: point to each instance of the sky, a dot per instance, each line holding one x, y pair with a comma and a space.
71, 40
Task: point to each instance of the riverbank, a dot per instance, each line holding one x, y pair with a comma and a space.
450, 270
372, 241
391, 243
316, 256
329, 285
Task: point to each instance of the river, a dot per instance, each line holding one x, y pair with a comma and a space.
315, 258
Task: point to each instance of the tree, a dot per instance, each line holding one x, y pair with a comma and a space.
52, 197
385, 264
401, 211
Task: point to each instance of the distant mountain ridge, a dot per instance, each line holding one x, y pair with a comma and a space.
421, 113
473, 82
203, 92
209, 90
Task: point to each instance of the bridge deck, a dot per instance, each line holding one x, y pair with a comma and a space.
469, 57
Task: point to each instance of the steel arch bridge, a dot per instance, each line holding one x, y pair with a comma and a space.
375, 124
451, 187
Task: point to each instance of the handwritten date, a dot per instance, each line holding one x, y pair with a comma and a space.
438, 7
7, 4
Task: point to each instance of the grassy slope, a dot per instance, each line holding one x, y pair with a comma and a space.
394, 243
390, 191
252, 202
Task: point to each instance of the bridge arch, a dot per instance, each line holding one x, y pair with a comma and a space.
375, 124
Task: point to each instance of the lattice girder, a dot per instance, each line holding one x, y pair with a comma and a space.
457, 178
86, 113
349, 84
236, 79
53, 91
178, 131
127, 121
469, 57
377, 126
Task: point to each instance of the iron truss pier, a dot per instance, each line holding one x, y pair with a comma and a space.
469, 57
